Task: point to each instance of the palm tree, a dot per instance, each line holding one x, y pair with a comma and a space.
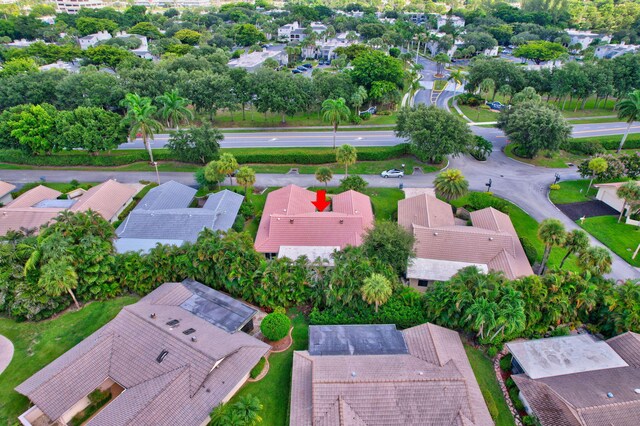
596, 260
487, 85
457, 77
227, 165
451, 184
248, 408
576, 241
630, 194
335, 111
58, 276
174, 108
246, 177
629, 110
482, 315
324, 175
376, 289
140, 118
346, 155
441, 59
506, 90
358, 97
552, 233
596, 165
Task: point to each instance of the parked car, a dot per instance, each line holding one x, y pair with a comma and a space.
394, 173
307, 66
495, 105
371, 111
296, 71
301, 68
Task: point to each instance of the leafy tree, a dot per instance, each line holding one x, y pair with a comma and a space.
346, 155
534, 126
88, 26
275, 326
281, 93
576, 241
227, 165
552, 233
451, 184
58, 277
89, 88
324, 175
197, 144
487, 85
242, 87
596, 260
629, 192
481, 149
335, 111
140, 119
34, 128
90, 128
526, 94
597, 166
373, 66
376, 290
187, 36
433, 133
174, 108
146, 29
623, 307
247, 35
539, 51
441, 59
391, 244
629, 110
109, 56
246, 177
457, 76
18, 66
479, 40
353, 182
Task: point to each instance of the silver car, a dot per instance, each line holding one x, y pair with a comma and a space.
394, 173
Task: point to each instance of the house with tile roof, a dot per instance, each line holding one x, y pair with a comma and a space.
579, 380
444, 245
163, 216
5, 193
375, 375
290, 219
168, 359
41, 204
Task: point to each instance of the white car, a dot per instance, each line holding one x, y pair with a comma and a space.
394, 173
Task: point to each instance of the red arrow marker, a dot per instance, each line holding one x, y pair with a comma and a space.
321, 202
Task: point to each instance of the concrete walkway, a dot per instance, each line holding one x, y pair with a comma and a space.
6, 353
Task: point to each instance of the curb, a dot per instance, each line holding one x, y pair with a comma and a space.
288, 346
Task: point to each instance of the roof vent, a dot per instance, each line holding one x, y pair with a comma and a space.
290, 220
341, 221
162, 356
353, 374
152, 316
421, 373
189, 331
609, 395
435, 233
194, 339
490, 238
637, 390
173, 323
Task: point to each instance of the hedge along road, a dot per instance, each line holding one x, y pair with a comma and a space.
274, 139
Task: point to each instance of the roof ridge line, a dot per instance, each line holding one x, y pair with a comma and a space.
417, 380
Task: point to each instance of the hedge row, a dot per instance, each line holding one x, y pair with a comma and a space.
607, 142
244, 156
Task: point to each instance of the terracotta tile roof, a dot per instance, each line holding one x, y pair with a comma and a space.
492, 240
33, 196
107, 199
580, 399
432, 385
192, 379
6, 188
27, 218
290, 219
424, 210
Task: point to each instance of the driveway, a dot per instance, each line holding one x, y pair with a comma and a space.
593, 208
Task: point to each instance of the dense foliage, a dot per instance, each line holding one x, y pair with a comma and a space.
275, 326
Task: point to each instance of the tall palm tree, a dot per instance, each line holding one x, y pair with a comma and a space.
335, 111
324, 175
227, 165
140, 118
576, 241
629, 110
552, 233
482, 315
58, 276
376, 289
358, 97
248, 408
346, 155
457, 76
174, 109
451, 184
487, 85
246, 177
596, 260
441, 59
630, 194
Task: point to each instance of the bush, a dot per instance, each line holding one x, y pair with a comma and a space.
98, 397
505, 362
353, 182
554, 187
530, 250
561, 331
365, 116
588, 147
355, 119
247, 209
255, 371
82, 158
530, 421
275, 326
510, 383
492, 352
238, 223
513, 393
470, 99
482, 200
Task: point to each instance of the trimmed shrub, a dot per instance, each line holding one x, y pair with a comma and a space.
482, 200
255, 371
238, 223
554, 187
530, 250
275, 326
513, 393
505, 362
561, 331
509, 383
353, 182
588, 147
492, 351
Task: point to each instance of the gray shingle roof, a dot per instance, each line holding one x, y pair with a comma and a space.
163, 215
356, 340
192, 379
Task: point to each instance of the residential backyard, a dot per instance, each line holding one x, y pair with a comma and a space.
36, 344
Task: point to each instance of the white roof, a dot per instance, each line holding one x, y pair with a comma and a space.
438, 270
557, 356
312, 253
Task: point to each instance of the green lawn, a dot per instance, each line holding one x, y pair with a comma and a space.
360, 168
275, 388
556, 160
38, 343
589, 110
620, 238
439, 85
479, 114
483, 370
384, 200
572, 191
